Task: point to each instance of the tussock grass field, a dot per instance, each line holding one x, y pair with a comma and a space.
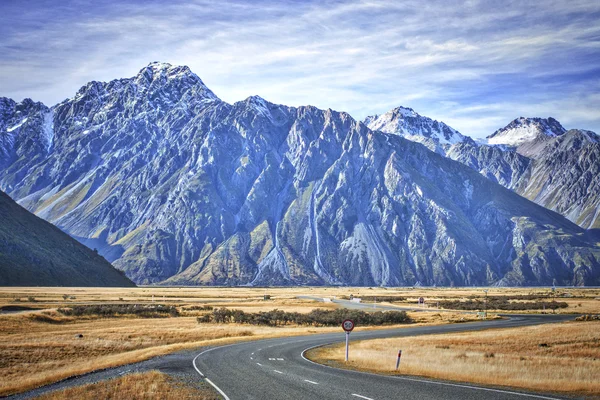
40, 345
558, 357
145, 386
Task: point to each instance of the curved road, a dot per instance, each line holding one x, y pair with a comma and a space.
277, 369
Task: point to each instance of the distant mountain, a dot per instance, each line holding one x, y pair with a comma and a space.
524, 130
176, 186
535, 157
407, 123
564, 176
35, 253
540, 160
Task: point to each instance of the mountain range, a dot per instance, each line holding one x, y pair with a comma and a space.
535, 157
175, 186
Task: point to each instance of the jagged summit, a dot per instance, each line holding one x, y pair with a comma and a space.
157, 80
522, 130
156, 70
406, 122
177, 187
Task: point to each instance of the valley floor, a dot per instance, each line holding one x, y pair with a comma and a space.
41, 345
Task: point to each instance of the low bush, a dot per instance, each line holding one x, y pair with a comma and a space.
588, 318
501, 303
199, 308
48, 318
113, 310
316, 317
380, 298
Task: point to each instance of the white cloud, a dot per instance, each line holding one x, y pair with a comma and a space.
488, 59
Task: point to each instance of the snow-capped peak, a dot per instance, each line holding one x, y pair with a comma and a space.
523, 130
406, 122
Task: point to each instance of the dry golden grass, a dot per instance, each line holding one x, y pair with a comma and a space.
144, 386
33, 352
558, 357
580, 300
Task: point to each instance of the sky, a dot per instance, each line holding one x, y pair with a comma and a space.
475, 65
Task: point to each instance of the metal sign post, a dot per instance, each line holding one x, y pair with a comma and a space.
347, 342
347, 326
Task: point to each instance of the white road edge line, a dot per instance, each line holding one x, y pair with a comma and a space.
362, 397
279, 372
314, 383
218, 390
537, 396
203, 376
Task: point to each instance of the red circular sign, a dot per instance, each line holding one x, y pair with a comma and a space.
348, 325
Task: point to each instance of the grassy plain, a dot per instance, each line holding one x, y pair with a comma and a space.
41, 346
559, 357
144, 386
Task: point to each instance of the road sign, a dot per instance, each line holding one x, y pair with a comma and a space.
348, 325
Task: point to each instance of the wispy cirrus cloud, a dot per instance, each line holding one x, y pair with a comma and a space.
474, 64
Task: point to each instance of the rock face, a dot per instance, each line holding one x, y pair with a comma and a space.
564, 176
176, 186
405, 122
536, 157
35, 253
523, 130
555, 168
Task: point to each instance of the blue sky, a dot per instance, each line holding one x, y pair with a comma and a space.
475, 65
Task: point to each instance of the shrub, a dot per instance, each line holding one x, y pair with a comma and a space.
199, 308
501, 303
388, 299
317, 317
113, 310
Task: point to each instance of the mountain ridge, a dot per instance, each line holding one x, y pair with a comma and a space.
175, 186
528, 156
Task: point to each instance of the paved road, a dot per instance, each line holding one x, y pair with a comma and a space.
276, 369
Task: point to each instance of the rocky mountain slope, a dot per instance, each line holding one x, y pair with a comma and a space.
536, 157
176, 186
35, 253
555, 168
405, 122
523, 130
565, 176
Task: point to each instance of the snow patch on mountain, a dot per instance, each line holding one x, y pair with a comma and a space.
48, 129
523, 130
17, 126
405, 122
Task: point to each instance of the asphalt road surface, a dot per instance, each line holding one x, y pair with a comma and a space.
277, 369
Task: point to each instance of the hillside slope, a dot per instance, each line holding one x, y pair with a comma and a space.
33, 252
